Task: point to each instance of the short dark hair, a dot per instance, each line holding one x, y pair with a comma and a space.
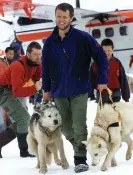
32, 45
8, 48
107, 42
64, 7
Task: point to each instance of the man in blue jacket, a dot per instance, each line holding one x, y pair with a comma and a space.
65, 63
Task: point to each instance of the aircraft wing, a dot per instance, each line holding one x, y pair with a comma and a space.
124, 13
107, 15
80, 13
26, 8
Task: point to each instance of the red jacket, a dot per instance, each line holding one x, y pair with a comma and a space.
3, 65
117, 80
16, 75
131, 61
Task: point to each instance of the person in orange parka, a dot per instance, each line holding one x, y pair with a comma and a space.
131, 61
6, 132
12, 87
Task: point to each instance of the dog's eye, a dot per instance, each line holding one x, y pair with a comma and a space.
99, 146
56, 115
49, 116
95, 154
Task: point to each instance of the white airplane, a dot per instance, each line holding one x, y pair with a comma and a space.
36, 22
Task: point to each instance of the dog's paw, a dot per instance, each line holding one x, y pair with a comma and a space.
104, 168
65, 164
58, 162
38, 165
43, 169
128, 156
114, 164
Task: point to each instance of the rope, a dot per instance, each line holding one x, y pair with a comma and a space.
113, 105
100, 96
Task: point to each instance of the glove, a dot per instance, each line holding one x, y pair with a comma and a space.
127, 100
32, 99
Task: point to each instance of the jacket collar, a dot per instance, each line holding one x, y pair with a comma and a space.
56, 33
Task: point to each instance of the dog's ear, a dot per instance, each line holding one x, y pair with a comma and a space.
84, 142
51, 104
35, 117
39, 111
44, 107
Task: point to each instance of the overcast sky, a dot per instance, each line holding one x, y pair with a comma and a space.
98, 5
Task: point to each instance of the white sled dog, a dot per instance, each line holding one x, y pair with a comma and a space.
44, 137
130, 82
107, 133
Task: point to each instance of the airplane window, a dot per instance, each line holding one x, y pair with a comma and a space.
22, 21
96, 33
109, 32
74, 19
123, 30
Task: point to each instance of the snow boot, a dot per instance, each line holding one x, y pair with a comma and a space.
80, 164
23, 146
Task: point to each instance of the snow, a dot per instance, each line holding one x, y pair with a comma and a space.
12, 164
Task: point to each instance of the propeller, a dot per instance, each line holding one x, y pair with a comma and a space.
7, 22
77, 3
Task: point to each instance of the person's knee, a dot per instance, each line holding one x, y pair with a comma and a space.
22, 118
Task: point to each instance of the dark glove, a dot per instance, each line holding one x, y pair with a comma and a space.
32, 99
127, 100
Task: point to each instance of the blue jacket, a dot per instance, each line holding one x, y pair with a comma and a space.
65, 64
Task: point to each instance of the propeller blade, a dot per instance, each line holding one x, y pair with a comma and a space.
77, 3
7, 22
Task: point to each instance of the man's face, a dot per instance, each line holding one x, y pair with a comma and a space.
109, 51
35, 55
63, 19
10, 54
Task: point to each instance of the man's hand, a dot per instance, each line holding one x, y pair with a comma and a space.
101, 87
47, 96
38, 85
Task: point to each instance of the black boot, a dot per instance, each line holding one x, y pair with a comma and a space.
6, 137
0, 154
23, 146
92, 97
80, 164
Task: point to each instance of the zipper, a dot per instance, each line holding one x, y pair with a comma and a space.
66, 54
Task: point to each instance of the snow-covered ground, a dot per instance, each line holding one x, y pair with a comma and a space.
12, 164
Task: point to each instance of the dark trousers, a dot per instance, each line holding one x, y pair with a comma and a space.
73, 113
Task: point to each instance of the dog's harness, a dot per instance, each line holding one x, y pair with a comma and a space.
103, 124
46, 130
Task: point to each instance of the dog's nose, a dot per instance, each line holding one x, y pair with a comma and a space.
96, 154
55, 122
93, 164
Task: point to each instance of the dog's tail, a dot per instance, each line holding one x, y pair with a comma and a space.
48, 157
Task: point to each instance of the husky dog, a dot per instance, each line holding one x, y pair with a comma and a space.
130, 82
44, 137
107, 141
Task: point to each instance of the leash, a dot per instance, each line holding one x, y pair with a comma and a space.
113, 105
100, 102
